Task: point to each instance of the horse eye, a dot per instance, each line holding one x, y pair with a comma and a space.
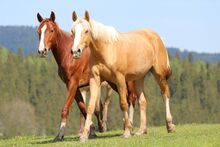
51, 31
86, 31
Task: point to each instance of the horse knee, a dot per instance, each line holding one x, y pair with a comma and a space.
64, 113
91, 109
124, 106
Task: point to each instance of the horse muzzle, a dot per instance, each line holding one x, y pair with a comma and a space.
43, 53
76, 53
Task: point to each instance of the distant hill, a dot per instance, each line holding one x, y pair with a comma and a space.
25, 37
207, 57
15, 37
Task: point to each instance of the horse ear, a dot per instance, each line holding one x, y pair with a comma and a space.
74, 16
52, 16
39, 17
87, 17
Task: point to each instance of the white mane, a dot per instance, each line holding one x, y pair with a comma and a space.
105, 33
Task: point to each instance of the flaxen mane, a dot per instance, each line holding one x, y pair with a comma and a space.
100, 31
105, 33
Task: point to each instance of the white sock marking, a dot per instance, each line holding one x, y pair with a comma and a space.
63, 124
41, 45
168, 114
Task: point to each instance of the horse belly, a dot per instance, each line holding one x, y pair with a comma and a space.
138, 65
137, 73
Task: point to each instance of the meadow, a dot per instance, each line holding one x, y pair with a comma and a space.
190, 135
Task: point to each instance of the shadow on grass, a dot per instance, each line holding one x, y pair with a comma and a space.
50, 141
76, 139
103, 136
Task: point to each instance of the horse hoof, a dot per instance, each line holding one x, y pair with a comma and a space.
104, 127
171, 128
126, 135
60, 135
92, 135
80, 132
58, 139
141, 132
83, 139
101, 129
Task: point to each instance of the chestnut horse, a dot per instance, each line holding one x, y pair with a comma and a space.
74, 73
120, 57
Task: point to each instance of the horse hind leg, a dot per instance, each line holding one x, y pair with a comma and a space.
122, 90
98, 111
161, 79
142, 103
131, 98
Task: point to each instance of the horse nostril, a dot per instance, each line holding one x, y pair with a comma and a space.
79, 50
45, 49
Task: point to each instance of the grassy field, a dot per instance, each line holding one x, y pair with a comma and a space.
193, 135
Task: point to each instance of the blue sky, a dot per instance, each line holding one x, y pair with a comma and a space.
188, 24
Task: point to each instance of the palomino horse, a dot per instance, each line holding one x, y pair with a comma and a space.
74, 73
121, 57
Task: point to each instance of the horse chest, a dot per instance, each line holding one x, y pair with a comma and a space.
64, 73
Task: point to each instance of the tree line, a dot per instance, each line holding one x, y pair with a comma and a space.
32, 96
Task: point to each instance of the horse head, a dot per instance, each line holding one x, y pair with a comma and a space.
81, 32
47, 32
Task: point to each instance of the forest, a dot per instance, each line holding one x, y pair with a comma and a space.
32, 96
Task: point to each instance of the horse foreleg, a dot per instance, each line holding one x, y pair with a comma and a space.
94, 90
72, 86
105, 107
82, 118
122, 90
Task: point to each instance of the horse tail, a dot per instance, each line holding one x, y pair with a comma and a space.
169, 73
168, 70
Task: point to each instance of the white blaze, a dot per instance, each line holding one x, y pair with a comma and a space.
78, 30
168, 114
41, 45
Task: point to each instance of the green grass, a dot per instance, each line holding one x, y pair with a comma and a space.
193, 135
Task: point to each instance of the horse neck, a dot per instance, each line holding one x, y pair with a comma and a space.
61, 49
98, 49
102, 37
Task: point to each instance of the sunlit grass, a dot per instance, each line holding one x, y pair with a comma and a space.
193, 135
